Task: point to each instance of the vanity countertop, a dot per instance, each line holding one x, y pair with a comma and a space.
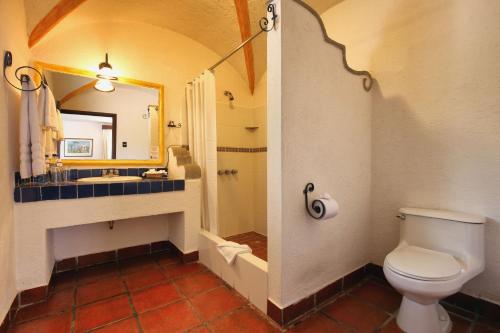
42, 191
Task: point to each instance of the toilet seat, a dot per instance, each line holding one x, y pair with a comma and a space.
423, 264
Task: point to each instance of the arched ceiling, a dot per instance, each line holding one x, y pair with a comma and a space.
212, 23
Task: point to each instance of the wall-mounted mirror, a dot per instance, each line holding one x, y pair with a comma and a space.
119, 127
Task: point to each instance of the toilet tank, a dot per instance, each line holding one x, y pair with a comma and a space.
459, 234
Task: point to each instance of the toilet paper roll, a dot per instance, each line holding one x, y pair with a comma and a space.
325, 207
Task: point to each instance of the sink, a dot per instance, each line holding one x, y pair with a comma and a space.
115, 179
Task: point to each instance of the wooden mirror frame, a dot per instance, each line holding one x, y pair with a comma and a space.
160, 162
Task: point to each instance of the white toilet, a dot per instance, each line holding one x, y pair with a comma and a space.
439, 251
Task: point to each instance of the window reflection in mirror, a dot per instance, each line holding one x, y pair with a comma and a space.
118, 125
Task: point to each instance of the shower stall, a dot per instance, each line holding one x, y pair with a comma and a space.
241, 163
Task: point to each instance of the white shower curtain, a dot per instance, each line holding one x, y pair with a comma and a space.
201, 111
107, 143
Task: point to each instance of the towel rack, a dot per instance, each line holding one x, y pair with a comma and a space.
7, 62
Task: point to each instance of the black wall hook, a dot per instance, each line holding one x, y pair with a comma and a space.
7, 62
317, 206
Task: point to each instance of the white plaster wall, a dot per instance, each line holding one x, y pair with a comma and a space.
274, 164
98, 237
325, 124
436, 115
260, 184
13, 37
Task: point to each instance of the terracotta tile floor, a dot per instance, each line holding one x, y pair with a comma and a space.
162, 295
257, 242
370, 307
142, 295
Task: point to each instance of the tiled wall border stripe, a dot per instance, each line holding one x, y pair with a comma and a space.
290, 313
241, 149
93, 259
9, 317
23, 194
469, 305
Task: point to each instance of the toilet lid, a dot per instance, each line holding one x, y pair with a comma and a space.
423, 264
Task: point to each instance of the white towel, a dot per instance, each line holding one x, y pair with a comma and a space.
47, 105
32, 162
60, 128
229, 250
50, 121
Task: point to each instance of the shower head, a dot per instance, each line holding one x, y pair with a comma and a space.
227, 93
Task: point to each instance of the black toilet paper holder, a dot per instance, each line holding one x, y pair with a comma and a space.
317, 206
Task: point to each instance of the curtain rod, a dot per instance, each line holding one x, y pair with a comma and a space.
227, 56
265, 24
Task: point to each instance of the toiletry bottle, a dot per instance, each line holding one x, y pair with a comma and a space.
53, 169
60, 170
47, 164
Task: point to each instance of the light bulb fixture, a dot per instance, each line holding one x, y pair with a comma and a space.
104, 85
106, 70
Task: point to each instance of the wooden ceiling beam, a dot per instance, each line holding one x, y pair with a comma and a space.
53, 17
77, 91
246, 32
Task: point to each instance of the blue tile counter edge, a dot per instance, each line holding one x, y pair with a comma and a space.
73, 190
75, 174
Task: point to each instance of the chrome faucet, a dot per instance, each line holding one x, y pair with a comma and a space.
110, 173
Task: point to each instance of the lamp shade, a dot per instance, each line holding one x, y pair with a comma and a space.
104, 85
106, 70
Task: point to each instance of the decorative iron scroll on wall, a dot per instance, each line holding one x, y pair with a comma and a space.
265, 24
7, 62
317, 206
368, 79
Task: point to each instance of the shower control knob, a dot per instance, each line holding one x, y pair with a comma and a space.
227, 172
220, 172
234, 171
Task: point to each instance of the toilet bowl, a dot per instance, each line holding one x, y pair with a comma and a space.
438, 253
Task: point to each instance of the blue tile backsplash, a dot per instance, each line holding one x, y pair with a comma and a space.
84, 173
68, 192
129, 188
101, 190
133, 172
144, 187
168, 185
38, 189
156, 187
50, 192
30, 194
116, 189
85, 191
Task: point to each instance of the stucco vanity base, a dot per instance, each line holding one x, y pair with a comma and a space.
35, 221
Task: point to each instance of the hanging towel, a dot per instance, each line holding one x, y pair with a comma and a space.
48, 108
60, 128
51, 124
229, 250
32, 161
